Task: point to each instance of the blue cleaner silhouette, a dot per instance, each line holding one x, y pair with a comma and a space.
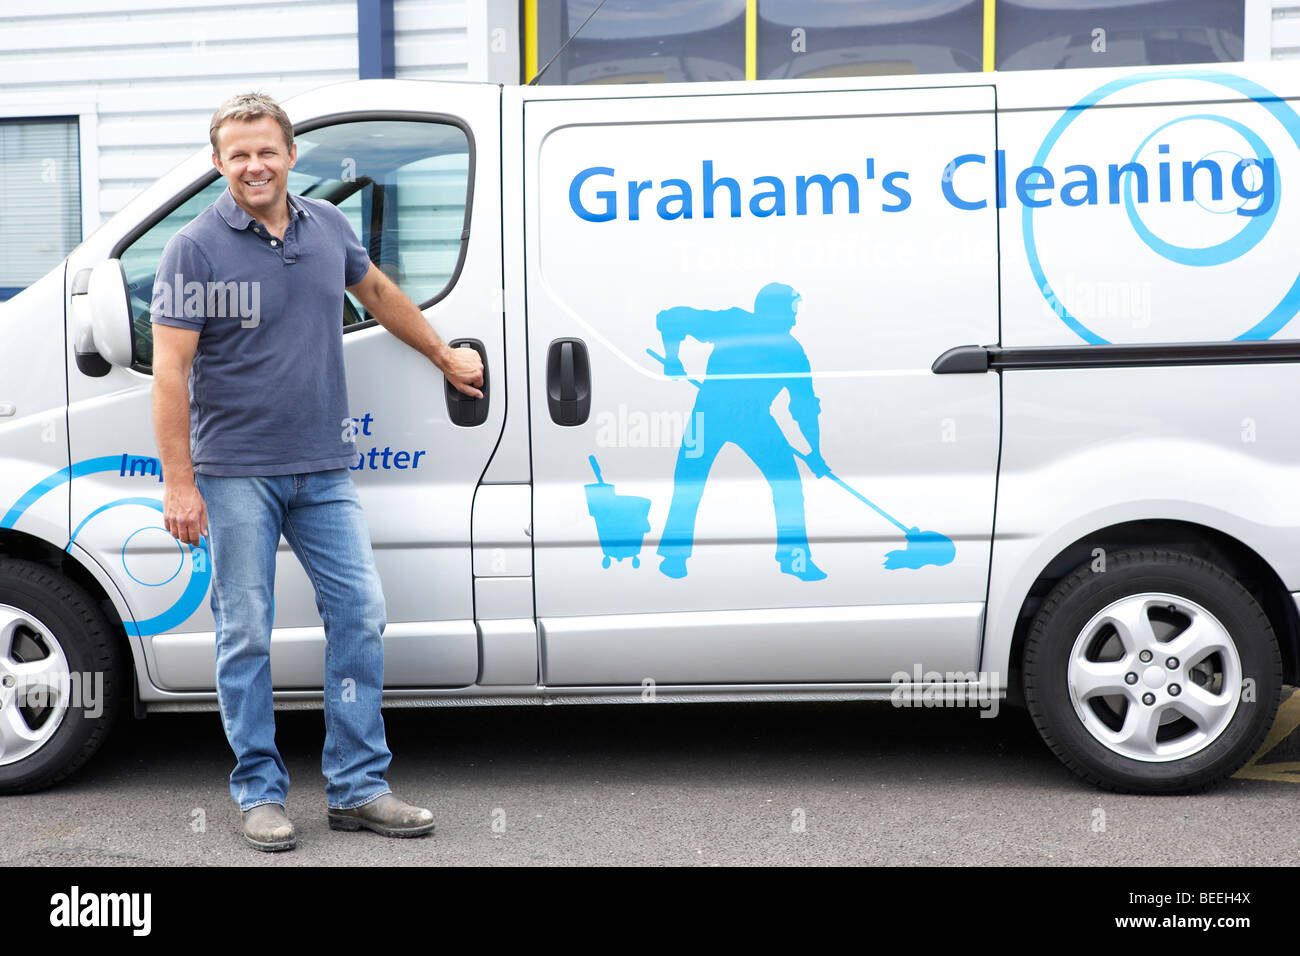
923, 547
754, 358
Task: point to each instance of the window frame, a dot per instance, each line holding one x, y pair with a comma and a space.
307, 126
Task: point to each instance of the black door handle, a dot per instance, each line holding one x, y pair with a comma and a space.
568, 382
466, 410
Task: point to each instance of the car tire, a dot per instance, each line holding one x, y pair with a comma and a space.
61, 677
1152, 671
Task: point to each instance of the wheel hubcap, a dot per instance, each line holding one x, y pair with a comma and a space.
34, 684
1154, 677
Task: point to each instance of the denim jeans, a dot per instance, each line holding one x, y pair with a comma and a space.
320, 516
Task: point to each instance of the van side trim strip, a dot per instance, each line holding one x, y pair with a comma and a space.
986, 358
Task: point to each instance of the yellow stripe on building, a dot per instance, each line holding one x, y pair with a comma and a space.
990, 33
751, 39
530, 40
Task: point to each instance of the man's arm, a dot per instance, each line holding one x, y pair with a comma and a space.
185, 515
399, 315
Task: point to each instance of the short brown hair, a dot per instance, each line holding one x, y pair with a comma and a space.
249, 106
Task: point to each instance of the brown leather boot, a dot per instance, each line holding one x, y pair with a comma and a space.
386, 815
267, 828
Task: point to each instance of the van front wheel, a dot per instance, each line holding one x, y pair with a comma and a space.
1153, 672
60, 676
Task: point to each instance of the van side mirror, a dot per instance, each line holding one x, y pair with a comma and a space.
110, 313
89, 362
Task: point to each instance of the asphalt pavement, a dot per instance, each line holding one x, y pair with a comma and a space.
663, 783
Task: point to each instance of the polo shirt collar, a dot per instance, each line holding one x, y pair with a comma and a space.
238, 218
296, 208
234, 214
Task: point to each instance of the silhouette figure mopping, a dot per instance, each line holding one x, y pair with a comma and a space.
754, 357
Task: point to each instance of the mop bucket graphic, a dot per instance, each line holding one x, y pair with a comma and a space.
621, 520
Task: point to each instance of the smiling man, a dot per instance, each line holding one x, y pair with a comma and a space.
250, 414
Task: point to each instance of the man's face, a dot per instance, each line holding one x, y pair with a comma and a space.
252, 155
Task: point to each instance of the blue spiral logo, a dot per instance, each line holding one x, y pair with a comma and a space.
1242, 242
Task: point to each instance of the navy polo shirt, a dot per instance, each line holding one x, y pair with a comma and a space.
268, 394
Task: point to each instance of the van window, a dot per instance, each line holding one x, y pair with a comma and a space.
403, 184
140, 263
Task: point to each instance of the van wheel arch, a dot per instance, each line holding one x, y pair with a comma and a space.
1240, 561
26, 547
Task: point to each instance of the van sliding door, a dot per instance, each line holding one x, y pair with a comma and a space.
744, 469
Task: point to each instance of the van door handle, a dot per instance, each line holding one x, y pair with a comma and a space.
568, 382
466, 410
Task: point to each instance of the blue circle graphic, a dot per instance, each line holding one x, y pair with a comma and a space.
126, 544
1289, 305
1247, 237
200, 568
195, 590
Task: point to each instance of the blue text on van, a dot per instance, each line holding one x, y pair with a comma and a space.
1035, 186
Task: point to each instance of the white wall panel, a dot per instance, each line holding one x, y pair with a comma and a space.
1272, 30
431, 39
145, 75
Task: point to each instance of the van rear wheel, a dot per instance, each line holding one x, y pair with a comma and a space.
60, 676
1158, 674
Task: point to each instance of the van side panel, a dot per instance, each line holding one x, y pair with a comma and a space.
1089, 448
1149, 207
1145, 207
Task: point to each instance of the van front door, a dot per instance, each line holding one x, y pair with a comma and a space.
411, 182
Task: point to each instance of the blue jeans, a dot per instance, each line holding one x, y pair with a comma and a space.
320, 516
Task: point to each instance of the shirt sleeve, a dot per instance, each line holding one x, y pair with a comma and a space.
180, 286
356, 261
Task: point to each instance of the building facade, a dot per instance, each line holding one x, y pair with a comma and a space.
97, 100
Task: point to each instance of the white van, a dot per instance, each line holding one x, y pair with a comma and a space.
936, 389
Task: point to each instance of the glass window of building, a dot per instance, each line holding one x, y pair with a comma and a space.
849, 38
1057, 34
40, 198
642, 41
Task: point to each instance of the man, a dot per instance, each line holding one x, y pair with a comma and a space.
251, 417
754, 358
